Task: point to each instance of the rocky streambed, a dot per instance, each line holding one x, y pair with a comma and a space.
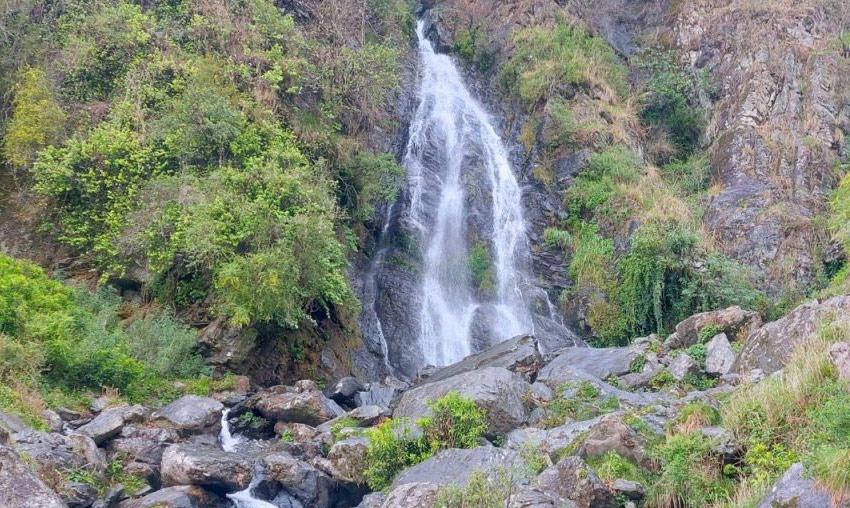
301, 446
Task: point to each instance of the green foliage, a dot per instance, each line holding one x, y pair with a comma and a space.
708, 332
691, 476
371, 178
636, 366
37, 118
692, 175
481, 266
667, 103
839, 212
454, 422
472, 44
697, 415
698, 352
341, 424
662, 380
578, 401
557, 238
613, 466
286, 436
561, 129
483, 490
548, 60
392, 448
595, 188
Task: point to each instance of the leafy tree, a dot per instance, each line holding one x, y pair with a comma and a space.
37, 118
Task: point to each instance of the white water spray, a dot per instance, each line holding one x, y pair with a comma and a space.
448, 121
244, 498
228, 441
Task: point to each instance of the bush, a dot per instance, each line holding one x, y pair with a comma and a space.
37, 118
691, 476
481, 267
393, 447
455, 422
613, 466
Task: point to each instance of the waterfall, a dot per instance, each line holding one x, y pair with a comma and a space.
227, 440
448, 125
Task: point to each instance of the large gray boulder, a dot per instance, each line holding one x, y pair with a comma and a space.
303, 403
348, 460
186, 496
519, 354
682, 366
772, 345
611, 434
797, 491
412, 495
495, 389
455, 466
737, 323
140, 449
551, 441
719, 355
839, 355
601, 363
573, 479
110, 422
555, 377
299, 479
194, 464
20, 488
191, 414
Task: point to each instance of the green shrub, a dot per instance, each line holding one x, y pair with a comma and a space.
454, 422
481, 266
698, 352
393, 447
691, 476
557, 238
697, 415
706, 333
482, 490
369, 179
37, 118
342, 424
613, 466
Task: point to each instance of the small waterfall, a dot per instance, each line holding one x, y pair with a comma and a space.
227, 440
244, 498
448, 124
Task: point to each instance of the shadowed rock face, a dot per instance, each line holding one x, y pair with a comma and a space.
20, 488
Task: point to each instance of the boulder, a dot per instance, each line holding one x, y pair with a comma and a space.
611, 434
455, 466
104, 426
381, 394
20, 488
50, 450
839, 354
53, 420
365, 416
187, 496
299, 479
682, 366
78, 495
771, 346
87, 448
529, 497
141, 449
795, 490
302, 404
719, 355
192, 464
343, 392
723, 442
348, 460
556, 377
191, 414
573, 479
412, 495
111, 497
519, 354
628, 488
497, 390
12, 423
601, 363
373, 500
737, 323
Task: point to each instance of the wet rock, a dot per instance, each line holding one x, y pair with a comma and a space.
737, 323
412, 495
839, 354
302, 404
682, 366
771, 346
299, 479
519, 354
601, 363
343, 392
348, 460
189, 464
78, 495
455, 466
497, 390
191, 414
573, 479
794, 490
719, 355
20, 488
611, 434
187, 496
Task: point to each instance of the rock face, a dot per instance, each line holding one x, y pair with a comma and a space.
299, 479
520, 355
612, 435
497, 390
719, 355
735, 322
793, 490
110, 422
682, 366
573, 479
303, 404
455, 466
770, 348
191, 414
348, 460
189, 464
20, 488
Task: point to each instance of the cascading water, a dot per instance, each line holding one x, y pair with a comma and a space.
244, 498
227, 440
447, 125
